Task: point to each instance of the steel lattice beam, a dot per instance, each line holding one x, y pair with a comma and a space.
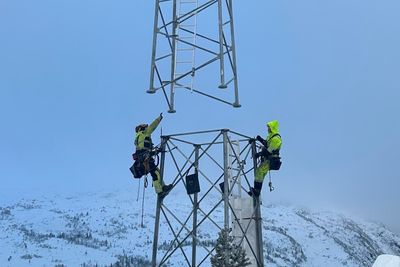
177, 30
200, 157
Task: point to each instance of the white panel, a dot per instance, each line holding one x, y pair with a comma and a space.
243, 208
387, 261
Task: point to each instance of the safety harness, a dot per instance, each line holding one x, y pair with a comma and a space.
148, 143
273, 157
141, 167
142, 158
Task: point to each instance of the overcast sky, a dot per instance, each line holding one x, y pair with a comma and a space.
73, 76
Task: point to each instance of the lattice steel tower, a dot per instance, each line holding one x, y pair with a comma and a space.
189, 36
210, 172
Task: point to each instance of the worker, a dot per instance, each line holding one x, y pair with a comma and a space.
269, 154
145, 152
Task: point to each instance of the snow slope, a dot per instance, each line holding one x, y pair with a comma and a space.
99, 228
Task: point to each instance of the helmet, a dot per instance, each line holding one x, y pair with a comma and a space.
141, 127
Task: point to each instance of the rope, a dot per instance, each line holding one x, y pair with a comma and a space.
144, 191
138, 191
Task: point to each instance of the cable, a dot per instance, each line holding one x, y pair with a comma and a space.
138, 192
144, 191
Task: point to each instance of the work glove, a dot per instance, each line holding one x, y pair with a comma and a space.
259, 138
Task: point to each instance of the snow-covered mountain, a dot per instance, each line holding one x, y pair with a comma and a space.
105, 228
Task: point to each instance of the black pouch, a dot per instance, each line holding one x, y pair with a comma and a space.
137, 169
192, 184
275, 163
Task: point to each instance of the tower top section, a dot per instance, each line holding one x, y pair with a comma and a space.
194, 50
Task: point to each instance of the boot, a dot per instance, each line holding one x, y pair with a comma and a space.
166, 189
256, 190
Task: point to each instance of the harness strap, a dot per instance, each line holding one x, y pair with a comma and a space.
277, 134
274, 152
147, 142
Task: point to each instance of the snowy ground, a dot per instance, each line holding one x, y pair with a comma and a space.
97, 228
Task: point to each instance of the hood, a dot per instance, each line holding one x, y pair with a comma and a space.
139, 128
274, 125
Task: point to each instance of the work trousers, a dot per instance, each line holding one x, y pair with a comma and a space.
155, 174
261, 171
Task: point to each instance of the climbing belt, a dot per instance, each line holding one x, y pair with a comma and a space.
146, 162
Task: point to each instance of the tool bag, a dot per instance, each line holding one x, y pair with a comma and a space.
274, 163
137, 169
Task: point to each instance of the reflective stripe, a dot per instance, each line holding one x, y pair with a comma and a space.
143, 142
136, 140
147, 142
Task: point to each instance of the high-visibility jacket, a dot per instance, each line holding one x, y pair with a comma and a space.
143, 138
274, 141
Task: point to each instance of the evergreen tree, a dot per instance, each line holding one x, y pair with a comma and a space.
228, 254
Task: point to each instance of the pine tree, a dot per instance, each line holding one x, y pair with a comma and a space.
228, 254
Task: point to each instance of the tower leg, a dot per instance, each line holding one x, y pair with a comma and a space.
226, 187
173, 58
258, 220
156, 228
236, 104
195, 205
221, 46
159, 202
151, 89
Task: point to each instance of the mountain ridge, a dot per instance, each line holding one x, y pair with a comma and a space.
105, 228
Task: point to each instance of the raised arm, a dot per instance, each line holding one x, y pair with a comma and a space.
149, 130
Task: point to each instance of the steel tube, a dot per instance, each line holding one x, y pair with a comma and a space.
153, 53
226, 189
173, 58
236, 104
195, 203
221, 46
258, 220
158, 208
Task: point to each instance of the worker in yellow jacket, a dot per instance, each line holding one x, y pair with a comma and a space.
144, 147
269, 154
